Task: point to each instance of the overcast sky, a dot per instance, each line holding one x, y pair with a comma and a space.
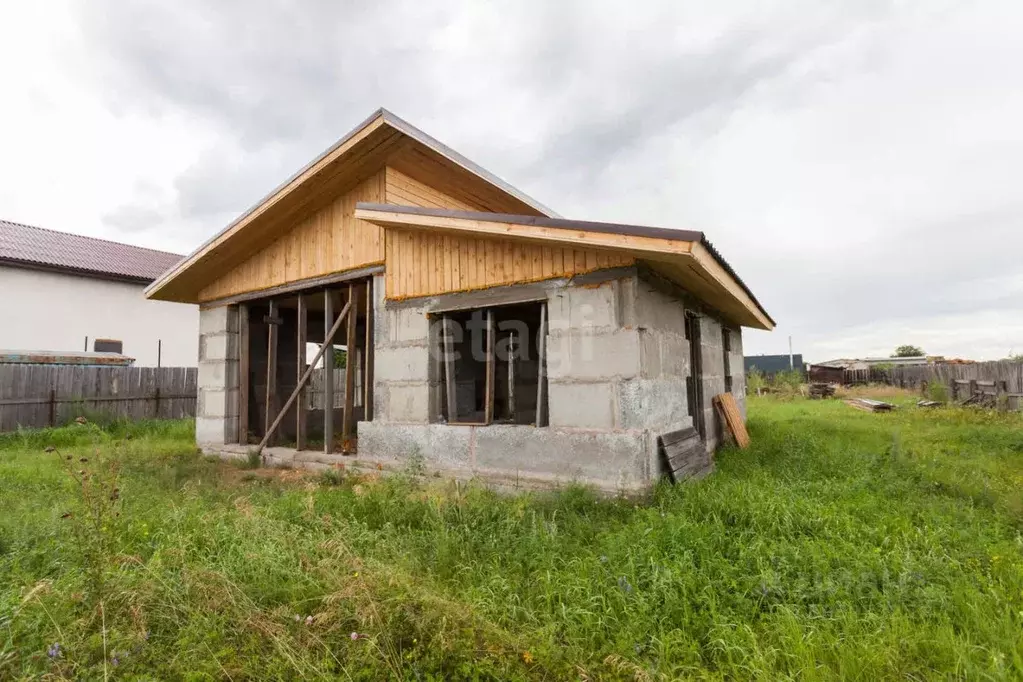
859, 164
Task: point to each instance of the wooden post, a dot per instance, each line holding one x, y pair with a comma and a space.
367, 356
301, 412
159, 352
327, 342
541, 372
271, 368
511, 375
53, 407
328, 375
86, 349
449, 371
489, 402
243, 374
348, 417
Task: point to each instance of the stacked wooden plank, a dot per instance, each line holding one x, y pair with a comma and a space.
868, 405
821, 390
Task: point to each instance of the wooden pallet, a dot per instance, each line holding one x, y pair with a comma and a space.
731, 419
683, 453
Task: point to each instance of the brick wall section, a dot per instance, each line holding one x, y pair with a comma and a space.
216, 419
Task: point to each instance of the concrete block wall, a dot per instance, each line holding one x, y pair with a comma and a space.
216, 420
617, 364
401, 361
713, 382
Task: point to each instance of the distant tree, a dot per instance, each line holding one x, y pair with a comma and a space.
1015, 357
908, 351
340, 358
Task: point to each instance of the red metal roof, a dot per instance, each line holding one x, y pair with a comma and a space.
36, 247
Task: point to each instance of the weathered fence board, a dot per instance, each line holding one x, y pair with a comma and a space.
34, 396
913, 377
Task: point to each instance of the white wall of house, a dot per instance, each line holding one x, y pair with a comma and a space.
54, 311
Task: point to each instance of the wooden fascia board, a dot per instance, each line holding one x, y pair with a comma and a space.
577, 238
710, 265
246, 219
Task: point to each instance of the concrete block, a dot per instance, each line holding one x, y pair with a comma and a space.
406, 363
650, 354
712, 386
584, 307
407, 325
218, 320
674, 355
655, 309
578, 355
214, 403
216, 430
656, 404
408, 403
219, 347
610, 460
218, 374
440, 445
588, 406
713, 361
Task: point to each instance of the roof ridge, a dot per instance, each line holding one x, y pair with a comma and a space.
89, 237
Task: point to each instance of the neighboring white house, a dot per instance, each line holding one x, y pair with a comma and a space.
66, 292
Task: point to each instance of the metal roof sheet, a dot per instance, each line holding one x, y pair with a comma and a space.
37, 247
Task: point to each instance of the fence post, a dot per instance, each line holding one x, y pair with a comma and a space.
53, 407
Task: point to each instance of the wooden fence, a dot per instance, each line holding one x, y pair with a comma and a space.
914, 376
34, 396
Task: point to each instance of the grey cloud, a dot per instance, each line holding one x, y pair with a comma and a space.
569, 103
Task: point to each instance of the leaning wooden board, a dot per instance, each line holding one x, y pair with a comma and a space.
728, 412
683, 452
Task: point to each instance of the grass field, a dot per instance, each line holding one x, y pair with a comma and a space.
841, 545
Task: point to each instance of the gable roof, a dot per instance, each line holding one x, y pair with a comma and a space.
35, 247
684, 256
364, 146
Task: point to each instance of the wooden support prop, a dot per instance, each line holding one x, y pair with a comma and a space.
348, 418
489, 402
328, 374
271, 367
511, 375
301, 408
449, 371
305, 376
731, 419
541, 376
243, 374
367, 356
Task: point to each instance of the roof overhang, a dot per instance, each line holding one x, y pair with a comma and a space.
683, 256
351, 159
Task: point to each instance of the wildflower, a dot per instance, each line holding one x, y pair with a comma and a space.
603, 558
624, 585
298, 618
308, 620
356, 636
49, 448
115, 660
54, 650
527, 657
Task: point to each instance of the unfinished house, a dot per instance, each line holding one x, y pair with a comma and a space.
395, 301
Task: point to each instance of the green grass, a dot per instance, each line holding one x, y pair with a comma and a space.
841, 545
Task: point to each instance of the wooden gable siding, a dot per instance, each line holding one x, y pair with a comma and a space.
421, 263
329, 240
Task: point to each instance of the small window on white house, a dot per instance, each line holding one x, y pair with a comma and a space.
492, 365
